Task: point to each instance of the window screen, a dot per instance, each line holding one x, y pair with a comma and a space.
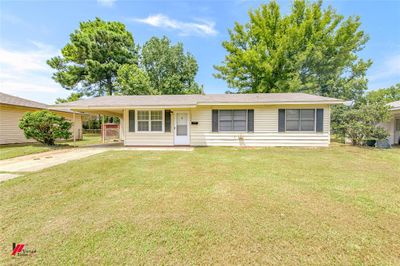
300, 120
150, 120
156, 121
232, 120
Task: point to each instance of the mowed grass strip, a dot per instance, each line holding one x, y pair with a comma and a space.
338, 205
8, 151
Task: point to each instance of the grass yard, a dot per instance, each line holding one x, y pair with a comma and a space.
338, 205
15, 150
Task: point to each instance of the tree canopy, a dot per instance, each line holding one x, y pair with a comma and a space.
102, 58
93, 56
134, 81
169, 68
312, 50
385, 95
71, 98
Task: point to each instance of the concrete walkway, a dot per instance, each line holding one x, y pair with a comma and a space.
39, 161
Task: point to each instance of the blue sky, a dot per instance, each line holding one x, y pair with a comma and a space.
33, 31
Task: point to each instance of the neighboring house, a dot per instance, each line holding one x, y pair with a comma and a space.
11, 111
270, 119
393, 126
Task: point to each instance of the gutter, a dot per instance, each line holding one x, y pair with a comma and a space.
85, 107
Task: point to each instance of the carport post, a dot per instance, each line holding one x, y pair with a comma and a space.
102, 129
74, 127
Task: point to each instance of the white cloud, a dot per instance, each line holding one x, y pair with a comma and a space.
201, 27
106, 2
390, 68
25, 72
385, 74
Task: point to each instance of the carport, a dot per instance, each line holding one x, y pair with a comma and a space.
103, 112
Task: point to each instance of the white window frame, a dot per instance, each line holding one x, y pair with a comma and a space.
397, 124
233, 131
149, 121
315, 120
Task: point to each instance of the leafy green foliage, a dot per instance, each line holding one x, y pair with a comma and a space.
45, 126
386, 95
311, 50
360, 122
72, 98
169, 69
90, 61
134, 81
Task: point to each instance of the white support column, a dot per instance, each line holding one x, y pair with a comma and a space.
74, 127
103, 137
121, 126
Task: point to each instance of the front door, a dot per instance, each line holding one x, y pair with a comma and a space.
397, 132
182, 128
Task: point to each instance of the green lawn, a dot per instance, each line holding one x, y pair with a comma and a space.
15, 150
338, 205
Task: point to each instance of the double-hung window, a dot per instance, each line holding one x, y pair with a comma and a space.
150, 121
300, 119
232, 120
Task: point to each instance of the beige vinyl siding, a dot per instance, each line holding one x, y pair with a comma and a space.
147, 138
9, 120
265, 129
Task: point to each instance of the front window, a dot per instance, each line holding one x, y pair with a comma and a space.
300, 119
232, 120
150, 121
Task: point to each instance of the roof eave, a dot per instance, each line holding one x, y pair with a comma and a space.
85, 107
113, 107
270, 103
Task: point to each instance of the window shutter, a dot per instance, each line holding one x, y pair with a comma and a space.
320, 120
250, 120
281, 120
167, 117
131, 120
214, 120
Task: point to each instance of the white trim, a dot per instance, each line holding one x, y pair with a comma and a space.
113, 107
149, 121
188, 127
271, 103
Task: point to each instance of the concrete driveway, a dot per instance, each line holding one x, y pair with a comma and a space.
39, 161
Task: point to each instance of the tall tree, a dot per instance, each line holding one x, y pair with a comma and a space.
169, 69
71, 98
95, 52
134, 81
385, 95
310, 50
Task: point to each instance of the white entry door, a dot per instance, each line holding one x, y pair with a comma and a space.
397, 132
182, 128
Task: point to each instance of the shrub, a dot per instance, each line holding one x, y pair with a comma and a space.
361, 122
45, 126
